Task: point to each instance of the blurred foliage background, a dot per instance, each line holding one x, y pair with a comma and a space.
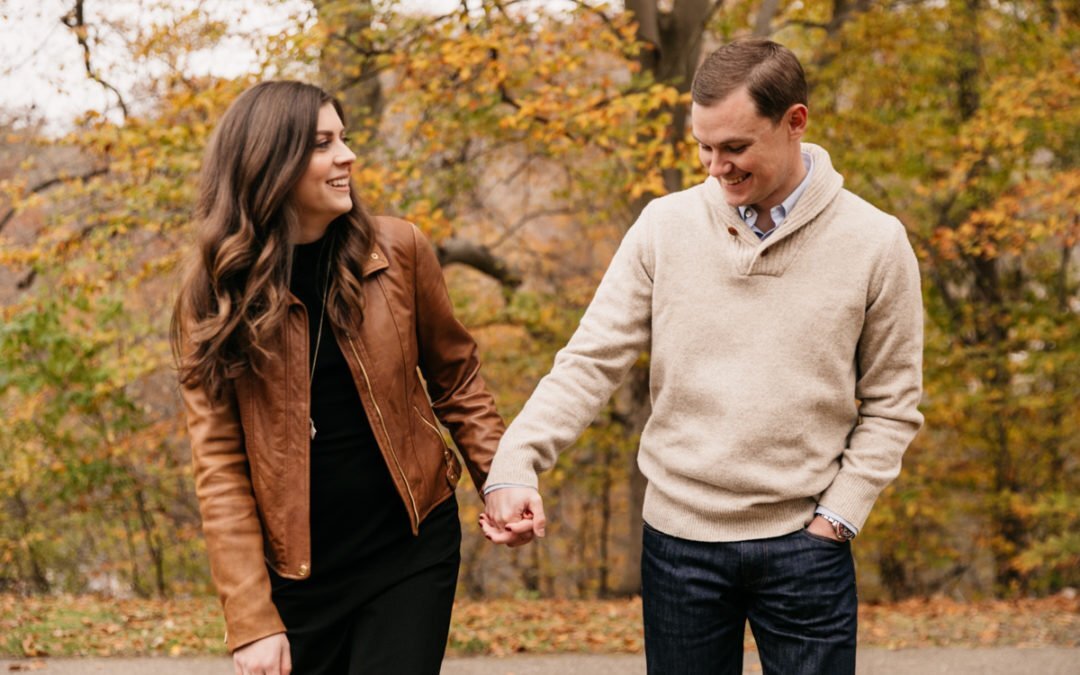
525, 138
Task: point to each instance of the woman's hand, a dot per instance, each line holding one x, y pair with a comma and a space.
267, 656
513, 515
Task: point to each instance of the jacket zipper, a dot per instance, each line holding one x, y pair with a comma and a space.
430, 426
382, 423
450, 473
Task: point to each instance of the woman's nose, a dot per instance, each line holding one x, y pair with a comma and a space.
345, 156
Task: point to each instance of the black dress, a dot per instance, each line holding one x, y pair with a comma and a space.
378, 599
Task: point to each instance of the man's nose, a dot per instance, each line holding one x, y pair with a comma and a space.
719, 167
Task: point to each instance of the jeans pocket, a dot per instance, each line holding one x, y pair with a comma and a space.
818, 538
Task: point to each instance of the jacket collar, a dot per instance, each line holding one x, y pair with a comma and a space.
375, 261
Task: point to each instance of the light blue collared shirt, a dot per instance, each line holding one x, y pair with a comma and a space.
781, 210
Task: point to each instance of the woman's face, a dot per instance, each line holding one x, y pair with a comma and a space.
322, 193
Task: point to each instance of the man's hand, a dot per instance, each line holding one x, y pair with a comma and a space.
266, 656
823, 528
513, 516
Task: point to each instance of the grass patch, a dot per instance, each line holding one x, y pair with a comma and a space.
94, 626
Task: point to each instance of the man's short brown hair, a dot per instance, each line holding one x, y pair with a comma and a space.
770, 71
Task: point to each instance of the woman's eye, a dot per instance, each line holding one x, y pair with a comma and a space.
322, 145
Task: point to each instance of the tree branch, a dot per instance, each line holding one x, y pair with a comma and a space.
479, 257
45, 185
528, 218
608, 23
76, 22
63, 246
802, 23
365, 51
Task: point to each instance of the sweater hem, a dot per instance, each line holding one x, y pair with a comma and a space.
689, 521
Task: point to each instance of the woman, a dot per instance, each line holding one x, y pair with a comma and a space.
309, 337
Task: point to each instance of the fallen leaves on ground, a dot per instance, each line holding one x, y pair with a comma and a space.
502, 627
940, 622
35, 627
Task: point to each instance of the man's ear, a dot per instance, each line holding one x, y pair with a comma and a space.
796, 118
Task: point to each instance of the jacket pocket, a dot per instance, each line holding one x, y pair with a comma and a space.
453, 466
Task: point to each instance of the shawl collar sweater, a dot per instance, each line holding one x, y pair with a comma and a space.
784, 373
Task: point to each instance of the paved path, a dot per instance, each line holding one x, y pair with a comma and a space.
872, 661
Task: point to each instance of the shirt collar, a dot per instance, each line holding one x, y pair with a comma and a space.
781, 210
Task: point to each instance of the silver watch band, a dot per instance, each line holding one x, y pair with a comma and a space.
841, 530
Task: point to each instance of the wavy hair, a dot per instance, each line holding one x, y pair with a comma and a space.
234, 296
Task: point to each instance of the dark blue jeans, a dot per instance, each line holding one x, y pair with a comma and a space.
797, 591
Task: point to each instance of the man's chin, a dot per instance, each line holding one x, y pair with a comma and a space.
735, 200
735, 196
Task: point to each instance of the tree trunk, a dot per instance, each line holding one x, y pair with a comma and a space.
133, 556
971, 56
154, 546
606, 489
765, 14
37, 569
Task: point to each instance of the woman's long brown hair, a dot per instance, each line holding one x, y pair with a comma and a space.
235, 294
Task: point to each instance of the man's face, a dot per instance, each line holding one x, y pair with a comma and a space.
758, 163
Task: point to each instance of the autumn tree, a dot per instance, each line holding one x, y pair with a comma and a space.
962, 117
525, 142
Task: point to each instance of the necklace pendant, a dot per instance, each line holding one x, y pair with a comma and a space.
312, 428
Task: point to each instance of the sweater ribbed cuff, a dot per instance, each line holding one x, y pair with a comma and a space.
513, 465
851, 497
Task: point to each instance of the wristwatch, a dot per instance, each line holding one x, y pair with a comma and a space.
841, 530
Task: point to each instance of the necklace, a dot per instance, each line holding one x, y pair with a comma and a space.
318, 343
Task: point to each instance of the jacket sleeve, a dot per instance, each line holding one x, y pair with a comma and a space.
888, 385
450, 363
231, 526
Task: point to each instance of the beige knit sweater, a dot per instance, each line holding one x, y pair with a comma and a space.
784, 373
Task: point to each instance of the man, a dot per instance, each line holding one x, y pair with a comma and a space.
784, 322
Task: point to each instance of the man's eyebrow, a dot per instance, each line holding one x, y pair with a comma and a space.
738, 140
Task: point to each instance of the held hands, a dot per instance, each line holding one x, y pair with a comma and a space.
513, 516
266, 656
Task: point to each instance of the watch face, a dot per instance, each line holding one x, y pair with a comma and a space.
841, 530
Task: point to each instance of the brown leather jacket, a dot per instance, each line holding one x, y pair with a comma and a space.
251, 453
